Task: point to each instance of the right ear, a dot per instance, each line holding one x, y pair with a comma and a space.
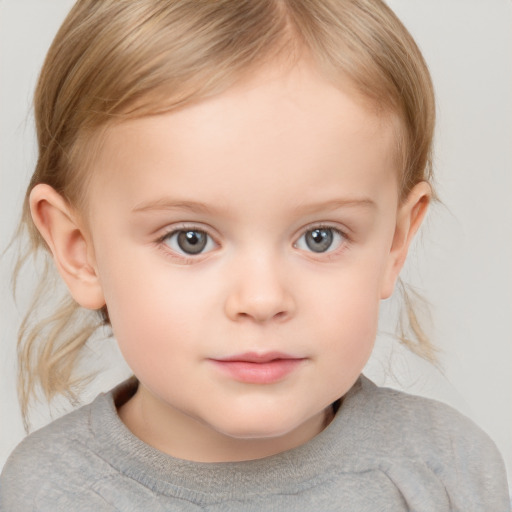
72, 251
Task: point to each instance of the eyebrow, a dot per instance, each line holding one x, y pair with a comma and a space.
166, 203
335, 204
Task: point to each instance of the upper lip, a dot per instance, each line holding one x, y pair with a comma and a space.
255, 357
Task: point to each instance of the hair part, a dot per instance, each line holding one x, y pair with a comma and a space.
117, 59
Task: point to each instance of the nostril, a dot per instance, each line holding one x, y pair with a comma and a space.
261, 316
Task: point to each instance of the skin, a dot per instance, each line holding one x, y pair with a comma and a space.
256, 168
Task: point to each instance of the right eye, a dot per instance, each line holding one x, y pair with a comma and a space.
189, 241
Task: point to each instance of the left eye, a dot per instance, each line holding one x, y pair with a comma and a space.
189, 241
320, 240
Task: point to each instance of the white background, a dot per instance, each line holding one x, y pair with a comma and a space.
461, 263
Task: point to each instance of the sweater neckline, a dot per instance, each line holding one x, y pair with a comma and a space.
126, 453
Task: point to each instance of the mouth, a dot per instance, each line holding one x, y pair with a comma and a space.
255, 368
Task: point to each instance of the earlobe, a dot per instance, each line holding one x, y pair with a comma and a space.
60, 228
409, 218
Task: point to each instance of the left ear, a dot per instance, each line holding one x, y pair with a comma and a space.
410, 215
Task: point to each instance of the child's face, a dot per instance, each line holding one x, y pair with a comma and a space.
243, 245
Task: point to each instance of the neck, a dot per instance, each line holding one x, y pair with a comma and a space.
184, 437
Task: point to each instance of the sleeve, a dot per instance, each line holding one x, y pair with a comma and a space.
19, 482
470, 465
42, 475
443, 444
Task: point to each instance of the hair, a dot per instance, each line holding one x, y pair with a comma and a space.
117, 59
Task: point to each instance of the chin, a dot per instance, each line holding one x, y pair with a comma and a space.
257, 427
252, 433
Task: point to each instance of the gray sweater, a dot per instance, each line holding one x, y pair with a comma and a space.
384, 451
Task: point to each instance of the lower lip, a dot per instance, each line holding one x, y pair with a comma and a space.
258, 373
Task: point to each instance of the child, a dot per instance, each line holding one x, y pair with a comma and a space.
234, 186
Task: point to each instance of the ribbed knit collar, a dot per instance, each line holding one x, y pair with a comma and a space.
207, 482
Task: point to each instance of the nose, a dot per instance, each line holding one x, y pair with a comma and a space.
258, 292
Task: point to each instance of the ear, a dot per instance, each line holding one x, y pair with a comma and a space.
410, 215
72, 252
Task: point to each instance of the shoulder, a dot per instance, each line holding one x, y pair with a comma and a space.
427, 422
431, 434
53, 462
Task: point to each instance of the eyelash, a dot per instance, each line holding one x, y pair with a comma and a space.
187, 259
330, 253
169, 252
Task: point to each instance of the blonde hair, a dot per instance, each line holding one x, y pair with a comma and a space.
118, 59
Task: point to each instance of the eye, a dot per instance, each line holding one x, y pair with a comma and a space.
189, 241
321, 239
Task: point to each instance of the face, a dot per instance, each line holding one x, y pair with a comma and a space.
243, 245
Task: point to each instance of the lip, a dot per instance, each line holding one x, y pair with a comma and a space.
255, 368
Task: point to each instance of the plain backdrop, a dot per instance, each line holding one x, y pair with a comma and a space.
461, 262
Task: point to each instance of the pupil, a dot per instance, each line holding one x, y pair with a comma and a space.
192, 242
319, 240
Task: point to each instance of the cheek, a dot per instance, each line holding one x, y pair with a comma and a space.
145, 304
345, 333
353, 327
347, 311
153, 334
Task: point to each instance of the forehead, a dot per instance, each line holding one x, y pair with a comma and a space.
275, 126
